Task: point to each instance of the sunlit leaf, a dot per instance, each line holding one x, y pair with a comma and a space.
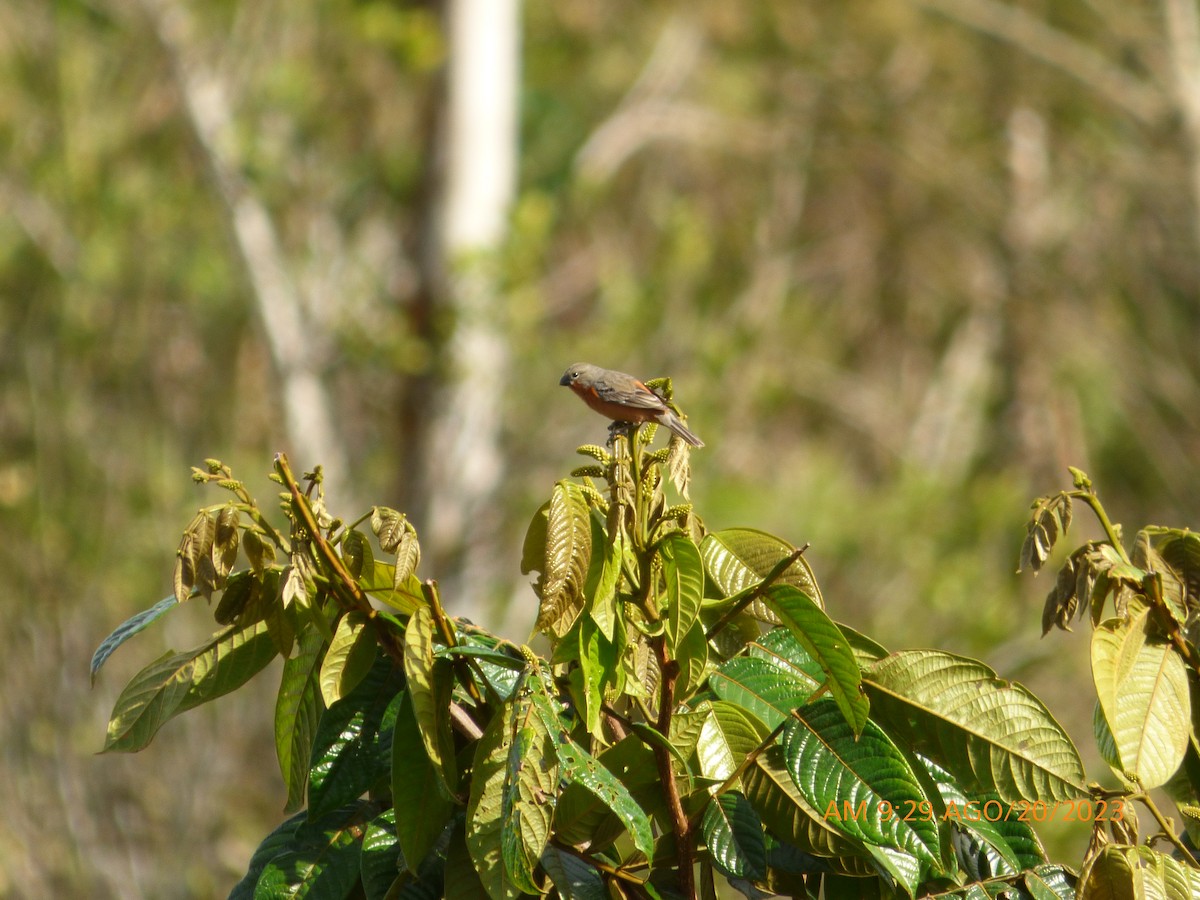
485, 819
177, 682
826, 646
683, 574
568, 555
1119, 872
320, 858
352, 748
1142, 685
430, 683
348, 659
855, 779
739, 558
727, 736
993, 735
381, 859
298, 709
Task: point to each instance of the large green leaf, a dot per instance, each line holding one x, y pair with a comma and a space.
734, 837
604, 576
423, 808
683, 573
859, 782
991, 734
382, 860
128, 629
784, 809
607, 796
568, 555
321, 859
430, 682
352, 748
485, 808
739, 558
177, 682
825, 645
277, 842
1142, 685
530, 786
298, 708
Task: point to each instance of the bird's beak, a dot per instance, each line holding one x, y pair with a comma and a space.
565, 381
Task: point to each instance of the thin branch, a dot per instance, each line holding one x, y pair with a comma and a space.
761, 588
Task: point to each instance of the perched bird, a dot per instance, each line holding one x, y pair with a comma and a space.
623, 398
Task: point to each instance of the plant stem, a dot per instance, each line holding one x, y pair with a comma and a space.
1110, 530
761, 588
1167, 830
679, 821
344, 586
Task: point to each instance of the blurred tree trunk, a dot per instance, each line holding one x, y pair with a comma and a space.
308, 409
457, 421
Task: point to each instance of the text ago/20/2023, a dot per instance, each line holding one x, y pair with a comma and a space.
985, 811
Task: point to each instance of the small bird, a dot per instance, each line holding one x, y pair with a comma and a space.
623, 398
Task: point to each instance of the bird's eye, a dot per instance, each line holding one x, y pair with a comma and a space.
574, 375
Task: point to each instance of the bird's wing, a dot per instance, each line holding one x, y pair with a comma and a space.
641, 397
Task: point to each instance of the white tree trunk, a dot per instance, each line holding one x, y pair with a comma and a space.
479, 149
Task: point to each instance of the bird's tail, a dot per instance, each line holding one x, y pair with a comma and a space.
671, 421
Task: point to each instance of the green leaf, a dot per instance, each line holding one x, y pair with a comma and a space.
533, 550
762, 689
1121, 871
604, 575
322, 859
728, 736
825, 644
357, 553
177, 682
349, 658
577, 766
352, 748
583, 816
598, 663
389, 526
485, 820
572, 877
128, 629
379, 583
1142, 685
274, 844
381, 861
993, 735
430, 682
692, 655
852, 779
782, 806
683, 573
740, 558
568, 556
416, 789
734, 837
298, 709
527, 796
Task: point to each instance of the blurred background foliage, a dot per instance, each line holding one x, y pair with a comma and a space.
904, 260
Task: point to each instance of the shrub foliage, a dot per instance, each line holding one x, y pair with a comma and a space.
699, 717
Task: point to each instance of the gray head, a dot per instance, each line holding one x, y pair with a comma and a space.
576, 371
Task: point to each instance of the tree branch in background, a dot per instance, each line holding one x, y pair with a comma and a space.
308, 409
